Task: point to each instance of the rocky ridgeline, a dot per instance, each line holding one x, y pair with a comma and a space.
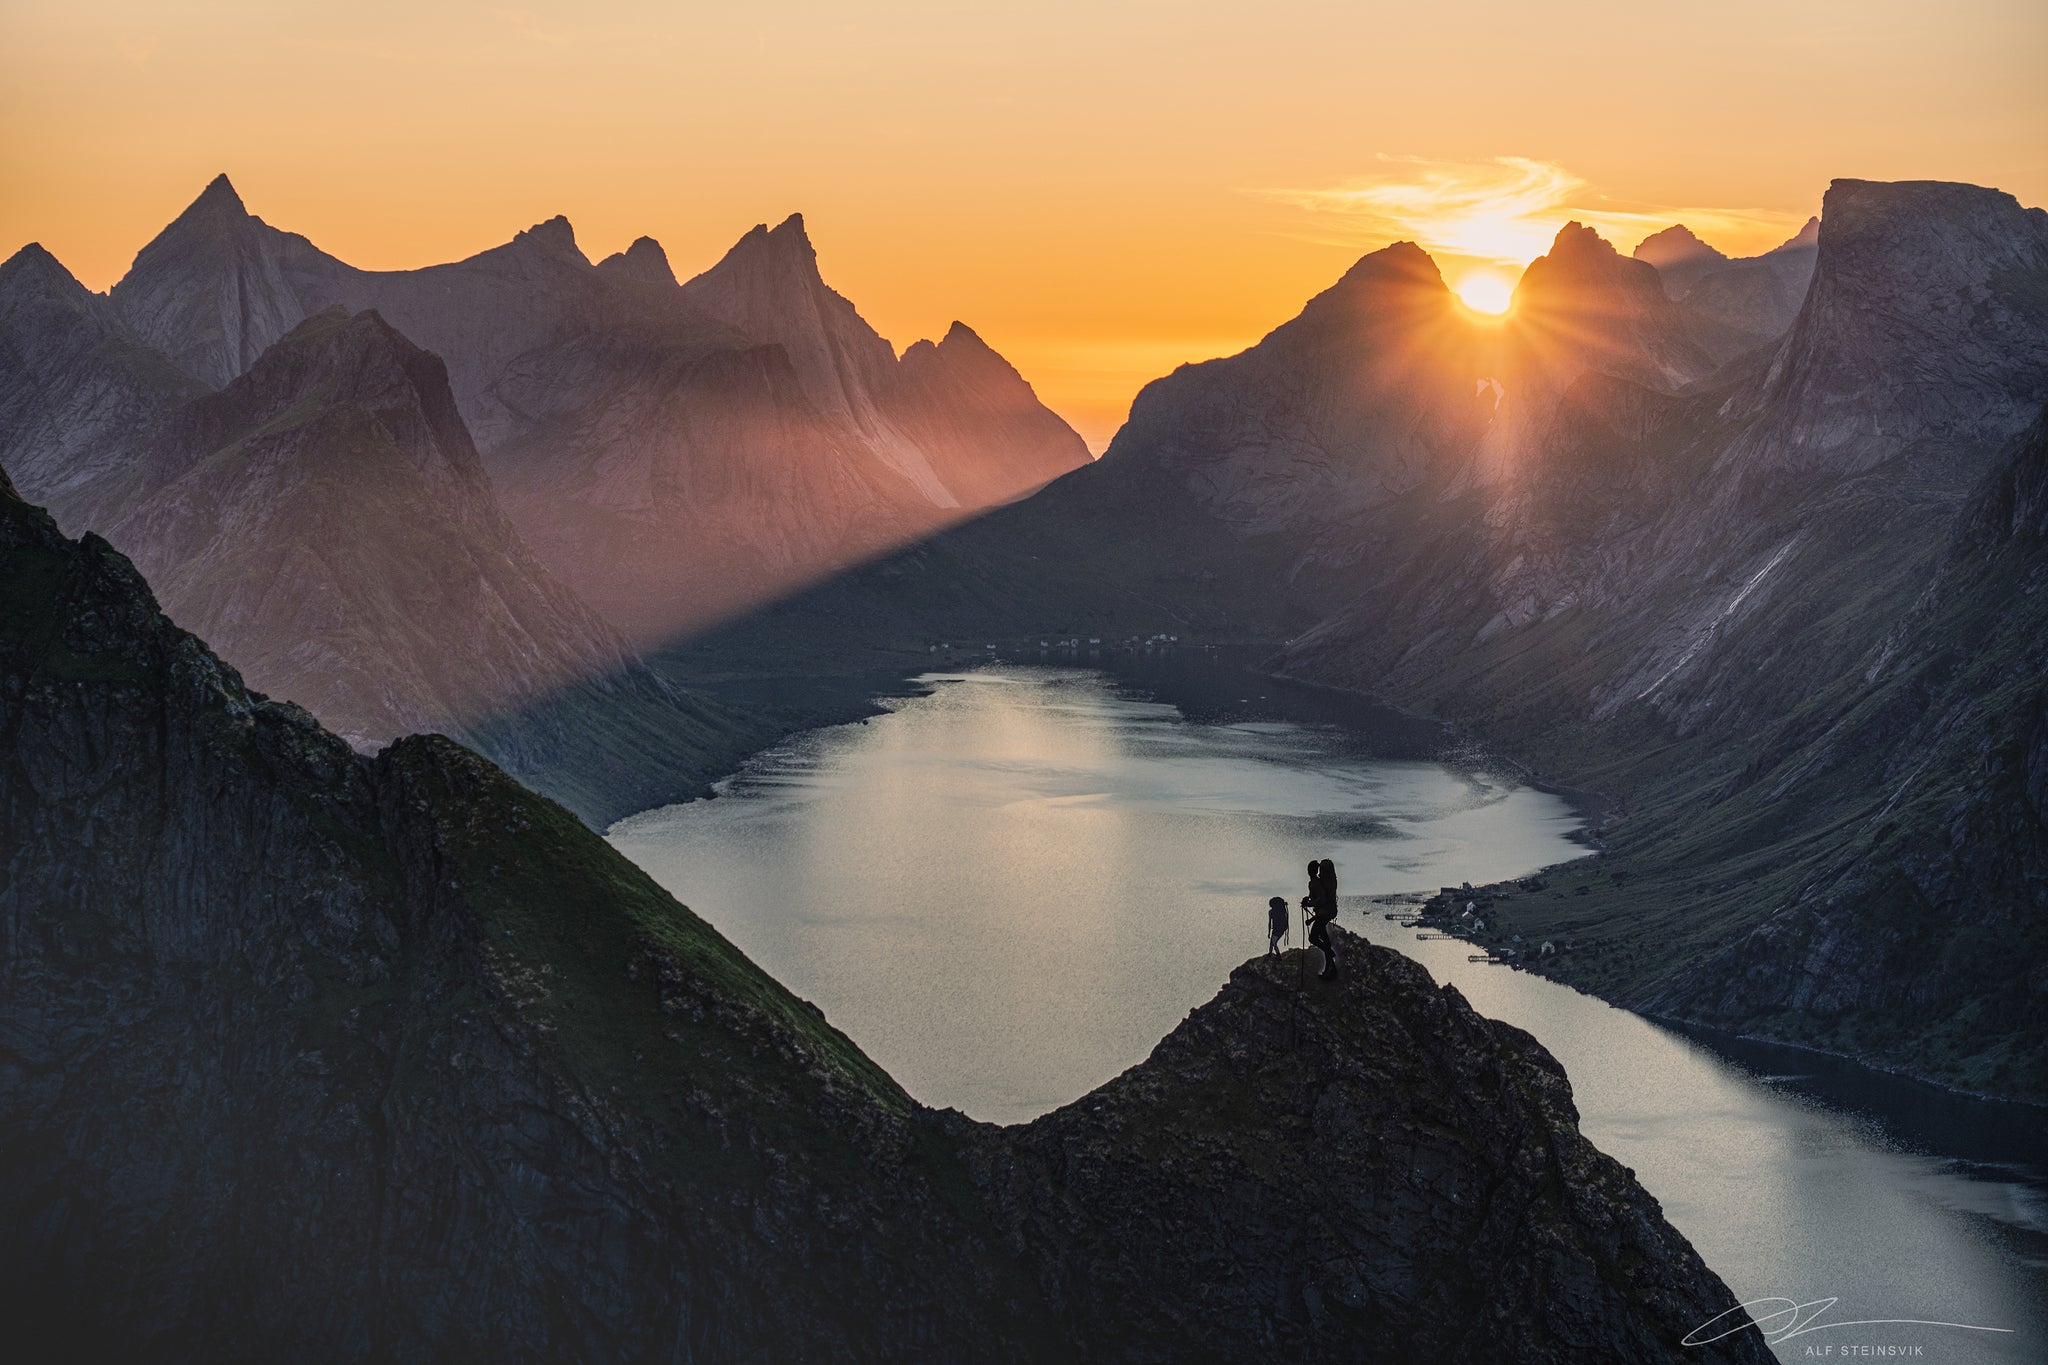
672, 452
311, 1055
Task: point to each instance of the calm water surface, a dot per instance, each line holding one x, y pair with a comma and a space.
1007, 891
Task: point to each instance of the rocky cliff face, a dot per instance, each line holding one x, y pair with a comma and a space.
78, 390
1922, 928
1935, 287
310, 1054
674, 486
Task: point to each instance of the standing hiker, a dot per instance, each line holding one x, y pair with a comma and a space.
1321, 904
1276, 924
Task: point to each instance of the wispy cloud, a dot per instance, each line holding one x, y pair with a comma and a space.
1505, 210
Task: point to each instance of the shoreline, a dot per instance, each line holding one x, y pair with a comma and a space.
819, 701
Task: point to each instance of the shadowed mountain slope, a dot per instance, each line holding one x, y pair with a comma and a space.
327, 520
319, 1054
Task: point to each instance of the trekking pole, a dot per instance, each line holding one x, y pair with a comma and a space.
1294, 1007
1301, 963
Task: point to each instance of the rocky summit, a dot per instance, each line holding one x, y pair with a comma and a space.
315, 1055
1364, 1161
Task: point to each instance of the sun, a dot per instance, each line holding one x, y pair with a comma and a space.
1483, 291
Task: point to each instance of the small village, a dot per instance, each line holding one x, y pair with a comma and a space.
1484, 917
1062, 644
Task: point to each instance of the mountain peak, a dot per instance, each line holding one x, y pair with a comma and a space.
1576, 241
1676, 245
342, 354
760, 283
787, 240
960, 344
220, 191
1808, 236
960, 335
1397, 262
644, 262
34, 267
335, 320
554, 236
338, 371
218, 206
1581, 263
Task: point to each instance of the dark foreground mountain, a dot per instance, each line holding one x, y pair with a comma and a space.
672, 452
312, 1055
1701, 591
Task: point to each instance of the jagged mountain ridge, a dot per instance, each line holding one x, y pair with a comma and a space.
571, 377
363, 1057
1245, 493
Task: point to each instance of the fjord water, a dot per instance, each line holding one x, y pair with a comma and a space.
1008, 890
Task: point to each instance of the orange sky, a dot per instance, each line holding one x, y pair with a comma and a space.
1102, 190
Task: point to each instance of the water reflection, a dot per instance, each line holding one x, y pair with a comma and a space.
1009, 890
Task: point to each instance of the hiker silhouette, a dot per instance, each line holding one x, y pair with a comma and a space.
1276, 924
1321, 904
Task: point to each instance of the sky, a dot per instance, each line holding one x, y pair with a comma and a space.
1102, 190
